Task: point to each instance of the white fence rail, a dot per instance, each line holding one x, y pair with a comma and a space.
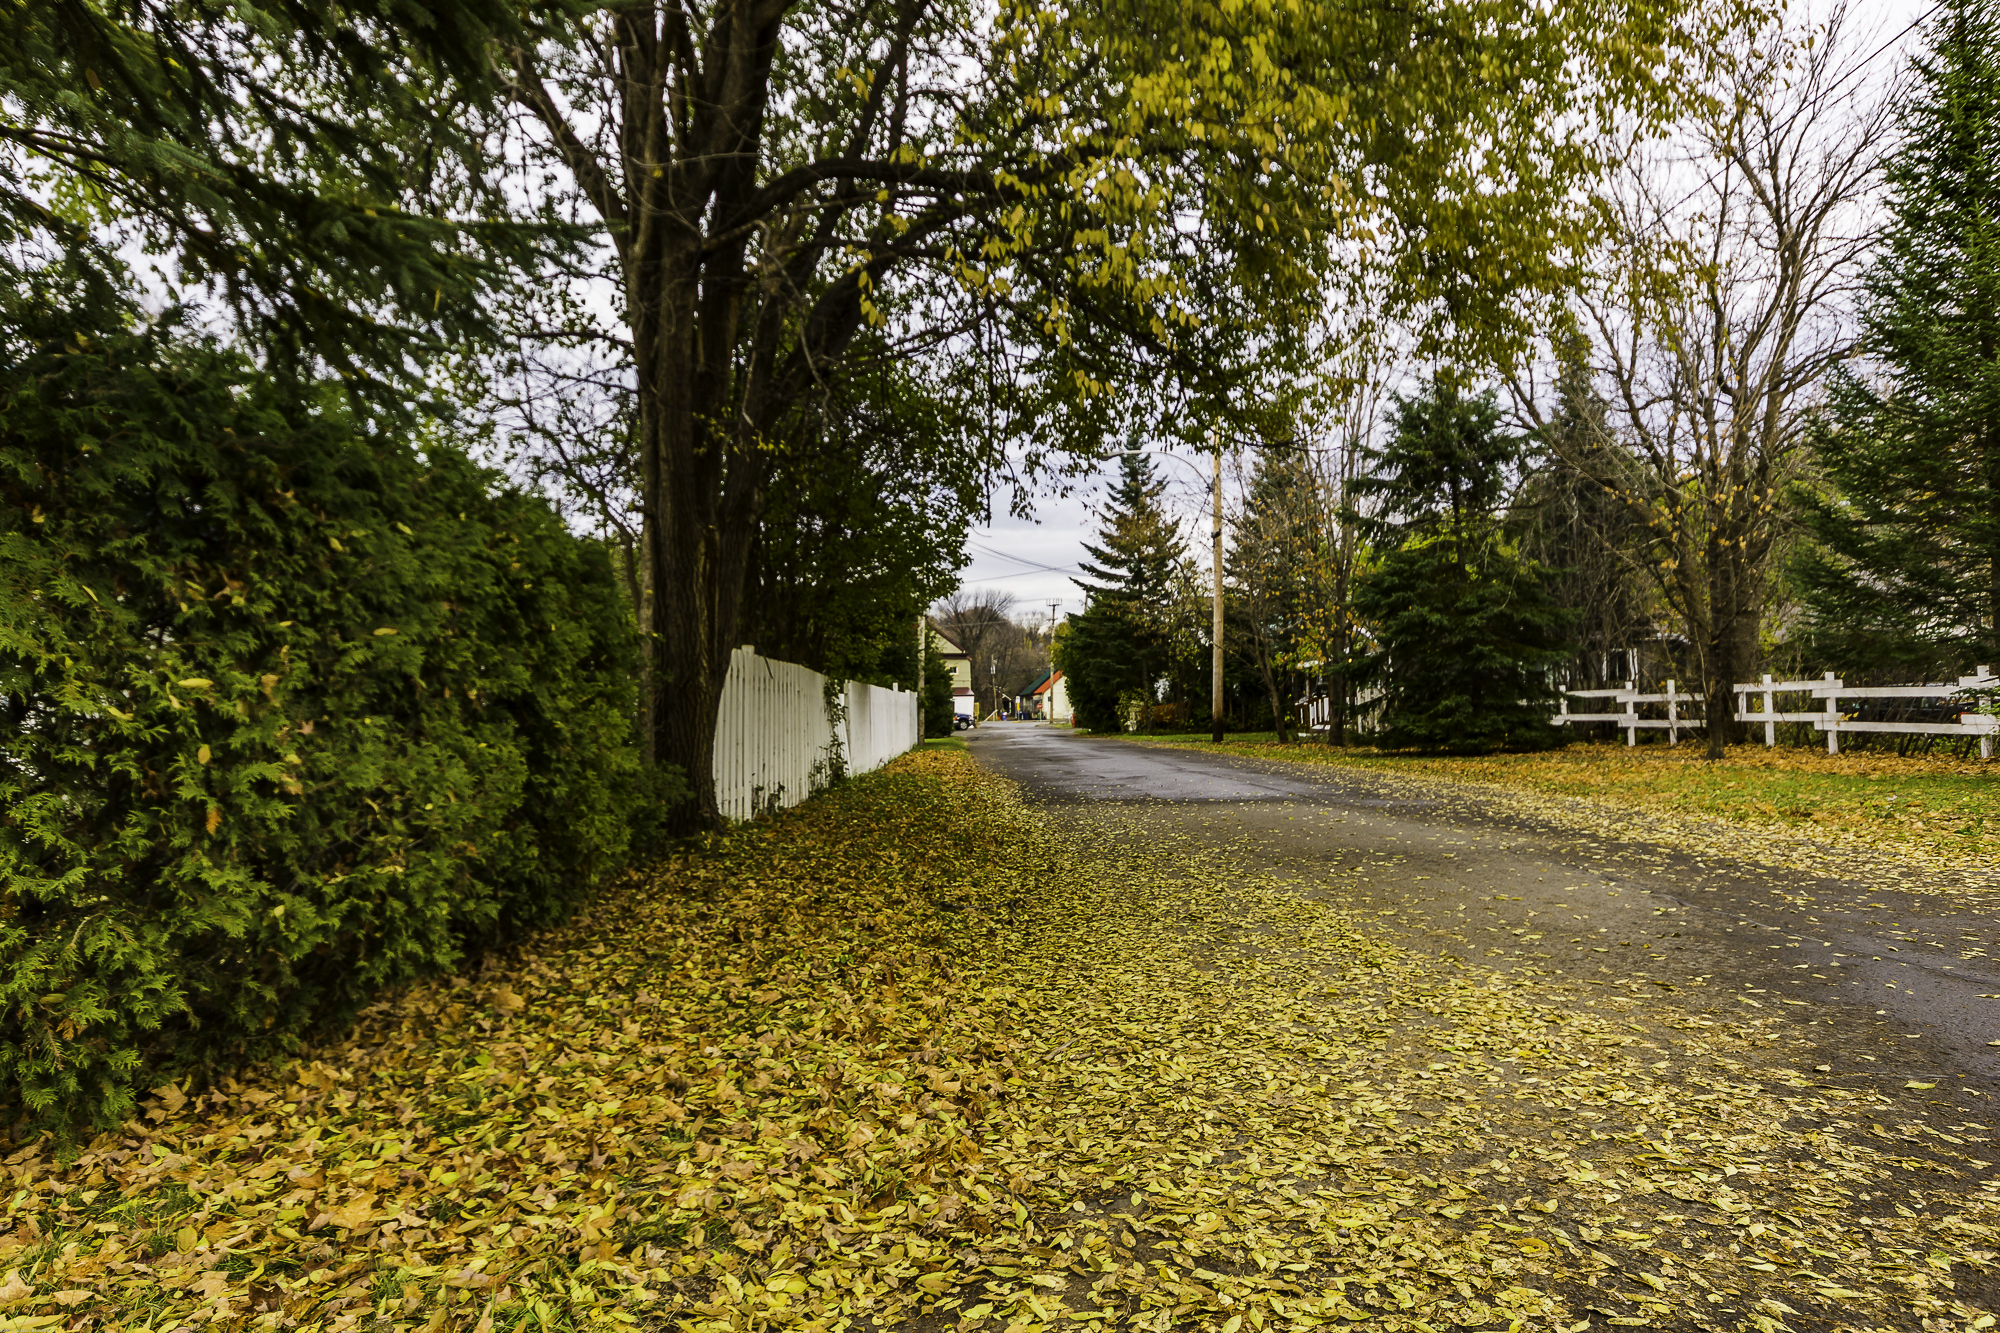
776, 741
1826, 714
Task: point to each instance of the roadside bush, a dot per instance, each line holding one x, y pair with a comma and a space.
936, 701
289, 712
1466, 655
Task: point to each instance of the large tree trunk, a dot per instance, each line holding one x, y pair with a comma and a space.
1336, 709
643, 583
695, 574
685, 691
1731, 649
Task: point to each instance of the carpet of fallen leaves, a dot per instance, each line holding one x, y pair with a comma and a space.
1935, 817
916, 1056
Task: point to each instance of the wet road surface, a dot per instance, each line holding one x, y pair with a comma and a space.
1886, 983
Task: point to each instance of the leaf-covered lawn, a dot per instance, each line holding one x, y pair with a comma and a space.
1941, 810
916, 1056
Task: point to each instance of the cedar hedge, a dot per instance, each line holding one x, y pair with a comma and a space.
290, 712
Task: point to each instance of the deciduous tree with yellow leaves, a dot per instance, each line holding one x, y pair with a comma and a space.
1086, 199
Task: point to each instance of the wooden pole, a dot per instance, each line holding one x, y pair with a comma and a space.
1215, 702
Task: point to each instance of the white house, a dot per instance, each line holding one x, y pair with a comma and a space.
1052, 700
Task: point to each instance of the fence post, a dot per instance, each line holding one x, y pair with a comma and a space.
1770, 727
1986, 741
1632, 710
1832, 721
1673, 717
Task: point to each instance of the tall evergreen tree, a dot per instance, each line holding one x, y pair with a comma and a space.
1118, 646
1271, 564
1586, 529
1467, 632
1904, 570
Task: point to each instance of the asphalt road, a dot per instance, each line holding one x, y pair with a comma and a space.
1886, 983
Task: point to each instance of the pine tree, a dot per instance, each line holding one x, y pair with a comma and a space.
1904, 568
1118, 646
1466, 630
1271, 563
1577, 520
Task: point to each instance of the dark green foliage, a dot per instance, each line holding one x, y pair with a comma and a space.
864, 525
1118, 646
1577, 518
1274, 557
1444, 470
936, 701
1465, 653
292, 714
1089, 652
314, 164
1904, 569
1467, 635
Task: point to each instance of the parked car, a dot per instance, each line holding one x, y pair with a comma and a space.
960, 722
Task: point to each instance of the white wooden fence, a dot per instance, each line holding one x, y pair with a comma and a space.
776, 741
1828, 693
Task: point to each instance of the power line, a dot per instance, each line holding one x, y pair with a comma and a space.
1015, 559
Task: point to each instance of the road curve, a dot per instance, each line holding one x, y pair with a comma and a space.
1888, 984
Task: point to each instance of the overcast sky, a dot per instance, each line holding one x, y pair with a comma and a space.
1036, 559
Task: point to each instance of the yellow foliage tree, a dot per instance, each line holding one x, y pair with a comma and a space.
1092, 196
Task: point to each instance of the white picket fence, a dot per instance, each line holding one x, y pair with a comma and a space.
776, 742
1828, 693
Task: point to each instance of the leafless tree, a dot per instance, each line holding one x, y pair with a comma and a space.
1353, 395
982, 623
1722, 302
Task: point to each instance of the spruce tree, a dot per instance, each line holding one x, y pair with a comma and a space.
1273, 558
1467, 634
1904, 568
1118, 646
1575, 518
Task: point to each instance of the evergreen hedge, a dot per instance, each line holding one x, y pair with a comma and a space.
289, 713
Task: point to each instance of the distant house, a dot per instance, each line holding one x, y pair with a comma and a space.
959, 663
1052, 699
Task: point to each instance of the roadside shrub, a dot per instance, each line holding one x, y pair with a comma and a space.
938, 712
1467, 654
289, 713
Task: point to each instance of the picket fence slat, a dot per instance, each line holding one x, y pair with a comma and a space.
776, 741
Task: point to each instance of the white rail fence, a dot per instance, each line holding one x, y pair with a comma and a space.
1827, 695
777, 742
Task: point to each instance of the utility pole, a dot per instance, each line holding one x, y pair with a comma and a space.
1217, 441
1215, 703
1049, 701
